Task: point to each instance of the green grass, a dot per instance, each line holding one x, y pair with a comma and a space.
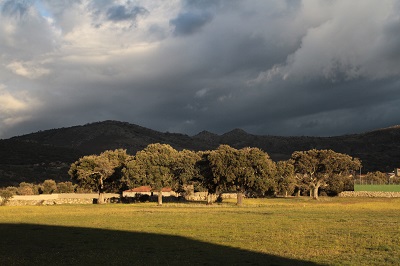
384, 188
295, 231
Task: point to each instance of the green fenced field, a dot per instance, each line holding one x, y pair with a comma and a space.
293, 231
384, 188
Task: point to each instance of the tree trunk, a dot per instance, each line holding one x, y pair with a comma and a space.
315, 192
101, 200
239, 198
298, 193
159, 197
285, 193
209, 198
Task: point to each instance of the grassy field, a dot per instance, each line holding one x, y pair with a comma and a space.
295, 231
385, 188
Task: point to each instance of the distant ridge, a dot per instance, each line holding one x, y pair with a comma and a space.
48, 154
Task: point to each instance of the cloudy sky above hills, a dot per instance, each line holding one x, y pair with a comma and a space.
274, 67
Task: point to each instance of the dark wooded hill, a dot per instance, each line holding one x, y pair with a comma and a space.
48, 154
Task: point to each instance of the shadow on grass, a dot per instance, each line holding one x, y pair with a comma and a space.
30, 244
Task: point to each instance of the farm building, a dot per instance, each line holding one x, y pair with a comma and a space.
146, 190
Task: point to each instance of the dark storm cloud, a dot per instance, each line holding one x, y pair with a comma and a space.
270, 67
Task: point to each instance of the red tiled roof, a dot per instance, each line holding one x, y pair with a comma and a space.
147, 189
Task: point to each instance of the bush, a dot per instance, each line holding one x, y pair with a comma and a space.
144, 198
13, 190
5, 196
49, 186
26, 189
66, 187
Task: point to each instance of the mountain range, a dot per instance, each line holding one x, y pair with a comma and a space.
48, 154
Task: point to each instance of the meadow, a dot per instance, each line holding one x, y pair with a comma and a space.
384, 188
292, 231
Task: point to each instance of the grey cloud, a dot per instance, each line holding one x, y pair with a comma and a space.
24, 35
120, 12
189, 23
196, 14
15, 8
201, 4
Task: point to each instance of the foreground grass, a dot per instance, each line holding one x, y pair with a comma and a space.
331, 231
384, 188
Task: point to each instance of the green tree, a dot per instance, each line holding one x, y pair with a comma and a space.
153, 166
205, 178
100, 172
286, 178
376, 177
245, 170
339, 183
185, 171
316, 166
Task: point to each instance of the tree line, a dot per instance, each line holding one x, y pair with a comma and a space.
247, 171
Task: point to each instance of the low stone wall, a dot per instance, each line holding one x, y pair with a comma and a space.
197, 196
369, 194
200, 196
53, 199
48, 202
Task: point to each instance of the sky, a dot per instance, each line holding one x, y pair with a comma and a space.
269, 67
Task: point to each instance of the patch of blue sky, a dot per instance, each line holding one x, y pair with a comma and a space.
43, 11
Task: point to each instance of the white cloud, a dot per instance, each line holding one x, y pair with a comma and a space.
28, 70
15, 108
9, 103
201, 93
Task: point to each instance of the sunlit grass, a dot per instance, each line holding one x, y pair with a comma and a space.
335, 231
384, 188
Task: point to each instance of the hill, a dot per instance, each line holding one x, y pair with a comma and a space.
47, 154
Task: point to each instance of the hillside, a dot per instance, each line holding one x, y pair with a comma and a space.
47, 154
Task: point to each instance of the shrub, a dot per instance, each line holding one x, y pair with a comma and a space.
5, 196
26, 189
49, 186
65, 187
144, 198
13, 190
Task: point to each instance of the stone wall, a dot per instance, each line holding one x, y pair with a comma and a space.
201, 196
369, 194
90, 198
53, 199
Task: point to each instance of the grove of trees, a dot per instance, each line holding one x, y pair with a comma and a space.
246, 171
318, 166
